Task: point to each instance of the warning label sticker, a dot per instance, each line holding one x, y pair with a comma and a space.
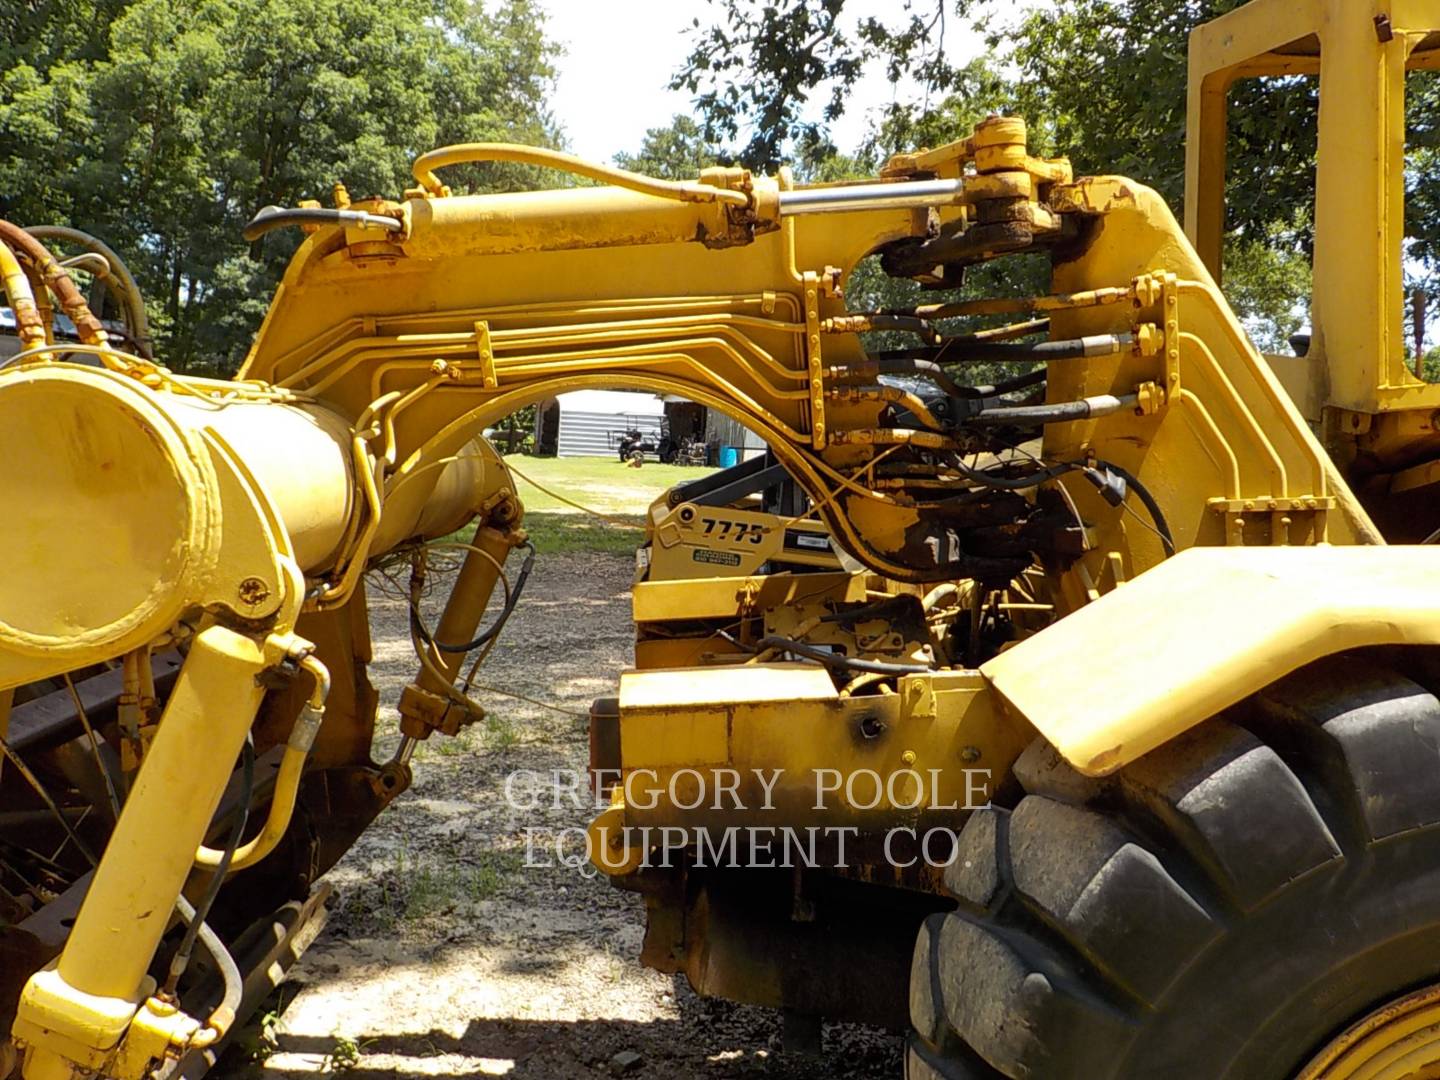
718, 558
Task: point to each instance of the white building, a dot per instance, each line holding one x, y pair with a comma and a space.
591, 421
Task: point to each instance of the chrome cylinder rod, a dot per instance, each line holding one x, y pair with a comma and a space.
849, 197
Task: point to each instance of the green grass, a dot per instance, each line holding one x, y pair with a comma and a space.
601, 484
500, 733
552, 532
418, 887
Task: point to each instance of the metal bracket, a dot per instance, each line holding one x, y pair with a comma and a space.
486, 353
1279, 511
818, 432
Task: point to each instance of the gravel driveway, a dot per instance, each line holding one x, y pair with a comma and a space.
447, 955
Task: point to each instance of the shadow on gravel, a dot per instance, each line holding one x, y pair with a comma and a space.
551, 1050
707, 1040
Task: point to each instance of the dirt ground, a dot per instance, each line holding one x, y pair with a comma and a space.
450, 952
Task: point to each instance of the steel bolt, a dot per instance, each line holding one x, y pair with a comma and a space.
253, 592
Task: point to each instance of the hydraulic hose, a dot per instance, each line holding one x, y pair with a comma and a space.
990, 479
1019, 304
905, 323
120, 280
57, 280
269, 218
22, 299
223, 1015
1152, 506
473, 153
866, 370
891, 395
1054, 413
882, 320
287, 780
959, 350
194, 917
1095, 473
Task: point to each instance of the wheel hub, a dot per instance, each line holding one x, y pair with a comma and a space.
1398, 1041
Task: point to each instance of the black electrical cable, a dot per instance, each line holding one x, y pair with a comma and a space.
986, 478
835, 660
512, 597
1167, 538
181, 959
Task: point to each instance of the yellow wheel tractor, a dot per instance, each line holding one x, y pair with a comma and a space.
1099, 706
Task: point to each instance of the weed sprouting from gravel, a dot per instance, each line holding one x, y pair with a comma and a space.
500, 733
410, 889
344, 1056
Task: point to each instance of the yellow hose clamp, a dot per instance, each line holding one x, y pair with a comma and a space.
1149, 339
158, 1030
1149, 398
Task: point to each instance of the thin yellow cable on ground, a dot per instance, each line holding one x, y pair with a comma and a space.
530, 700
616, 522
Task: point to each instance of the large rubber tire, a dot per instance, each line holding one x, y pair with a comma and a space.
1220, 909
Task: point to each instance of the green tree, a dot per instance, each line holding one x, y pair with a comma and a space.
1268, 284
203, 111
676, 152
1104, 82
41, 33
755, 67
1422, 188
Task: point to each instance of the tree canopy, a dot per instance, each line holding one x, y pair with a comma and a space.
164, 129
676, 152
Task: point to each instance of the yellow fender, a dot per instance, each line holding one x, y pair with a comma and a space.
1203, 630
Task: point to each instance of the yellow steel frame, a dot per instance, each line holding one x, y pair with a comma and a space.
782, 736
1360, 50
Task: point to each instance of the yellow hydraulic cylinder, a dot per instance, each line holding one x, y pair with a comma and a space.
558, 220
79, 1008
300, 455
478, 480
431, 701
467, 602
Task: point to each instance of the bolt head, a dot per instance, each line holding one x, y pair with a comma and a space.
253, 592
